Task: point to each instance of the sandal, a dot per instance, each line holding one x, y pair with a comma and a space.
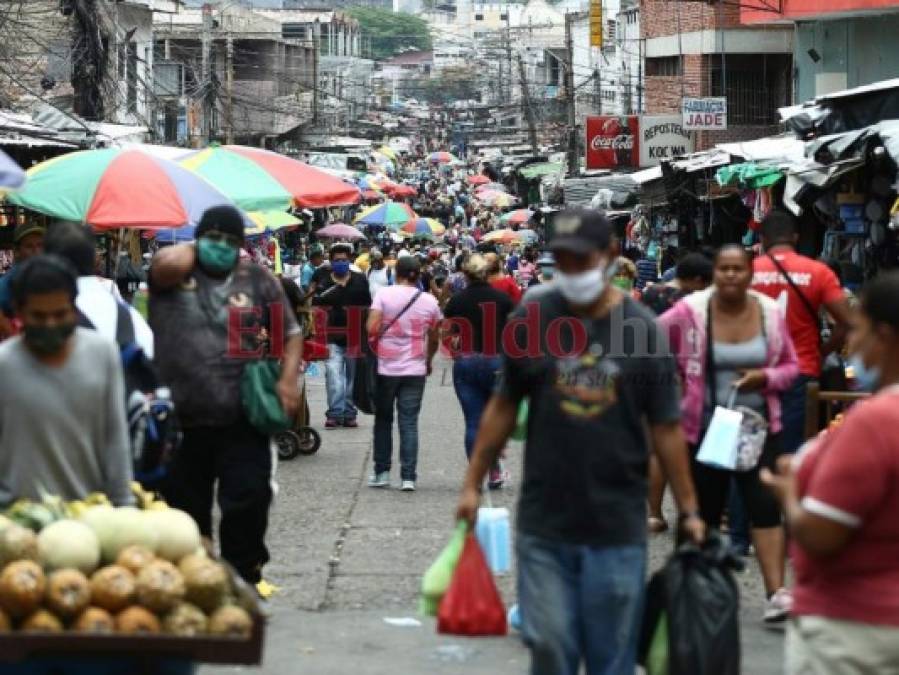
657, 525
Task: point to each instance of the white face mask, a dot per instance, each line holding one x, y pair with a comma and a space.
583, 288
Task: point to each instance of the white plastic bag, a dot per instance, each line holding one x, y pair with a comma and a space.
719, 446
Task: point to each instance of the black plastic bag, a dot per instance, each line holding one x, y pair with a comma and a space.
698, 597
365, 382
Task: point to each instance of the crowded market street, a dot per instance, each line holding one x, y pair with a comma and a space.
346, 558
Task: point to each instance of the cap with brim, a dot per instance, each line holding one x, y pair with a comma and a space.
581, 231
26, 229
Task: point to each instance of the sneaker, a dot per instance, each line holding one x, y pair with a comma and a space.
331, 423
379, 480
408, 486
497, 476
351, 424
779, 606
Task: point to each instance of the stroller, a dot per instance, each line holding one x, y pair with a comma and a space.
302, 439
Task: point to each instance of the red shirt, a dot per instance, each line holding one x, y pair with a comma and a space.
508, 286
818, 284
851, 476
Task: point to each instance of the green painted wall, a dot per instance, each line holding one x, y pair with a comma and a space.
853, 52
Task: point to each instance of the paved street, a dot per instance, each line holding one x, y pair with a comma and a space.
347, 557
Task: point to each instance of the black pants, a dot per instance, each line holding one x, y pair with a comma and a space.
712, 487
239, 458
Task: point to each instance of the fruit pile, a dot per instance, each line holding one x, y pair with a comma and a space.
89, 567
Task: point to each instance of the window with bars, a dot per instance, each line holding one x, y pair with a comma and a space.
664, 66
757, 85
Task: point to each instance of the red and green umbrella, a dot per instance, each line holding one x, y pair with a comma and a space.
115, 187
388, 214
424, 226
260, 180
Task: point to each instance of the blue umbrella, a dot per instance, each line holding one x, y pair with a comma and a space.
11, 175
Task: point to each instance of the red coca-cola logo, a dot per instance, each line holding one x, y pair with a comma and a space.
619, 142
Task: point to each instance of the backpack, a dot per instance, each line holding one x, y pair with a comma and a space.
153, 428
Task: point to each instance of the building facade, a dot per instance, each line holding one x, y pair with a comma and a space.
694, 49
839, 44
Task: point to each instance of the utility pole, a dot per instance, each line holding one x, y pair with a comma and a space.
570, 98
526, 102
229, 89
206, 79
316, 41
509, 54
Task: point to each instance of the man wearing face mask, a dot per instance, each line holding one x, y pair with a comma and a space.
212, 314
62, 422
345, 296
595, 368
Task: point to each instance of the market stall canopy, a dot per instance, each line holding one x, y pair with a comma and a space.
749, 175
260, 180
12, 177
517, 217
504, 236
421, 226
270, 221
780, 148
114, 188
619, 191
843, 111
533, 171
340, 231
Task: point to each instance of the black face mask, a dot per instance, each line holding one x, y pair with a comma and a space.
47, 340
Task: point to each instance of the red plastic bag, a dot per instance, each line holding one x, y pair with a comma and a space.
472, 605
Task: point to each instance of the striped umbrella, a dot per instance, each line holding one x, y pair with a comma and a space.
504, 236
498, 199
421, 226
260, 180
443, 158
517, 217
114, 187
386, 215
256, 223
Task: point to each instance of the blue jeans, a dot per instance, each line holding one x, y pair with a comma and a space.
340, 371
473, 379
793, 414
407, 392
580, 604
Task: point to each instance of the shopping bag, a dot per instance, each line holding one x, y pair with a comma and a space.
365, 383
694, 602
521, 424
494, 534
259, 395
719, 445
472, 605
439, 575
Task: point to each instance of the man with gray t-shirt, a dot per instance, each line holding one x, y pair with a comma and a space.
62, 422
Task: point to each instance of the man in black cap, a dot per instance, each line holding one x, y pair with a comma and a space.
211, 315
28, 241
595, 368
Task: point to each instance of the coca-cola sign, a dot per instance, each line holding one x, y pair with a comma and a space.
613, 142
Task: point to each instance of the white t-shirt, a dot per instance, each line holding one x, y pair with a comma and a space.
403, 252
378, 279
98, 299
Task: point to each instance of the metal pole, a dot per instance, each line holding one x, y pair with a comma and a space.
316, 43
229, 89
206, 46
526, 102
569, 93
509, 53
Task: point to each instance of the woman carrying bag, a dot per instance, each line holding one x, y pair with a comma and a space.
733, 351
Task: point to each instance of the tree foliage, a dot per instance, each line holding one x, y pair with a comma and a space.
391, 33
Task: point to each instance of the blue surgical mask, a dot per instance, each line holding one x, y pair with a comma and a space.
867, 379
340, 268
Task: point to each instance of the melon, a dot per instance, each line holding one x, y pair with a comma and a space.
186, 620
206, 582
160, 586
17, 543
22, 587
112, 588
118, 528
42, 621
68, 544
231, 621
178, 533
135, 558
94, 620
136, 620
68, 592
